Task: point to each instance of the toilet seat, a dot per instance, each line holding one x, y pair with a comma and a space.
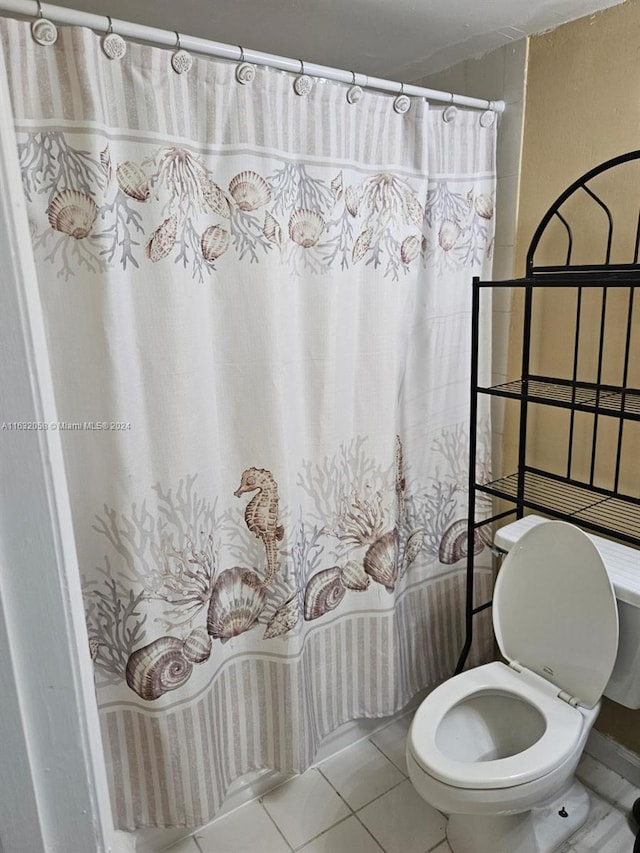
564, 725
552, 589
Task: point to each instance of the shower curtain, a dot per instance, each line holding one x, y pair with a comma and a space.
258, 307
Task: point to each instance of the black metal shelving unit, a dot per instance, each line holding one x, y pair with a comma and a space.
583, 500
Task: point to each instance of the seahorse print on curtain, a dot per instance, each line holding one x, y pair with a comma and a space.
261, 516
235, 599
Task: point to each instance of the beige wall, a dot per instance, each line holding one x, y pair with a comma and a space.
582, 107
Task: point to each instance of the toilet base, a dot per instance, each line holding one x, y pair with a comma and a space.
541, 830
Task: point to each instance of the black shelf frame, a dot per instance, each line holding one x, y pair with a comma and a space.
579, 396
586, 502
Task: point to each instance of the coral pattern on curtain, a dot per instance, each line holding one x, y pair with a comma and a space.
258, 313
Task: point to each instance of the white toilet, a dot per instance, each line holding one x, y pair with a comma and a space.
496, 747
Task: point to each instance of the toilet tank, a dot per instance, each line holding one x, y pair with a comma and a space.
623, 565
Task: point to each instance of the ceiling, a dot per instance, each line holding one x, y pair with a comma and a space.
395, 39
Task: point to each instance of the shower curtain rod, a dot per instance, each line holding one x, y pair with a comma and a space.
166, 38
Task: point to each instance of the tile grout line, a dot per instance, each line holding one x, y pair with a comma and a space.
329, 782
280, 832
366, 828
395, 766
354, 812
395, 719
382, 752
397, 785
195, 841
384, 793
435, 846
324, 831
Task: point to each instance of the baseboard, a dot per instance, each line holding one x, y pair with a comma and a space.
613, 755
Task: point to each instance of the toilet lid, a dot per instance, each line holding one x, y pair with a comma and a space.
555, 612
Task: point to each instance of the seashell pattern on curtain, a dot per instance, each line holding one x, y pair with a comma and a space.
257, 309
191, 221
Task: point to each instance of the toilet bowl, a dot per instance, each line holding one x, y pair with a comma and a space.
496, 747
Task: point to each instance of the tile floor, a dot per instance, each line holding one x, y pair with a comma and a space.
361, 801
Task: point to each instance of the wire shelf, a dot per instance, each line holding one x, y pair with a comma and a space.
613, 516
604, 400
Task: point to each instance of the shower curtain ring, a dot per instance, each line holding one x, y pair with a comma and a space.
488, 116
181, 60
43, 31
303, 84
245, 72
401, 103
451, 111
113, 45
354, 92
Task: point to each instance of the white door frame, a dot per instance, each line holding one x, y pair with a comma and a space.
53, 783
